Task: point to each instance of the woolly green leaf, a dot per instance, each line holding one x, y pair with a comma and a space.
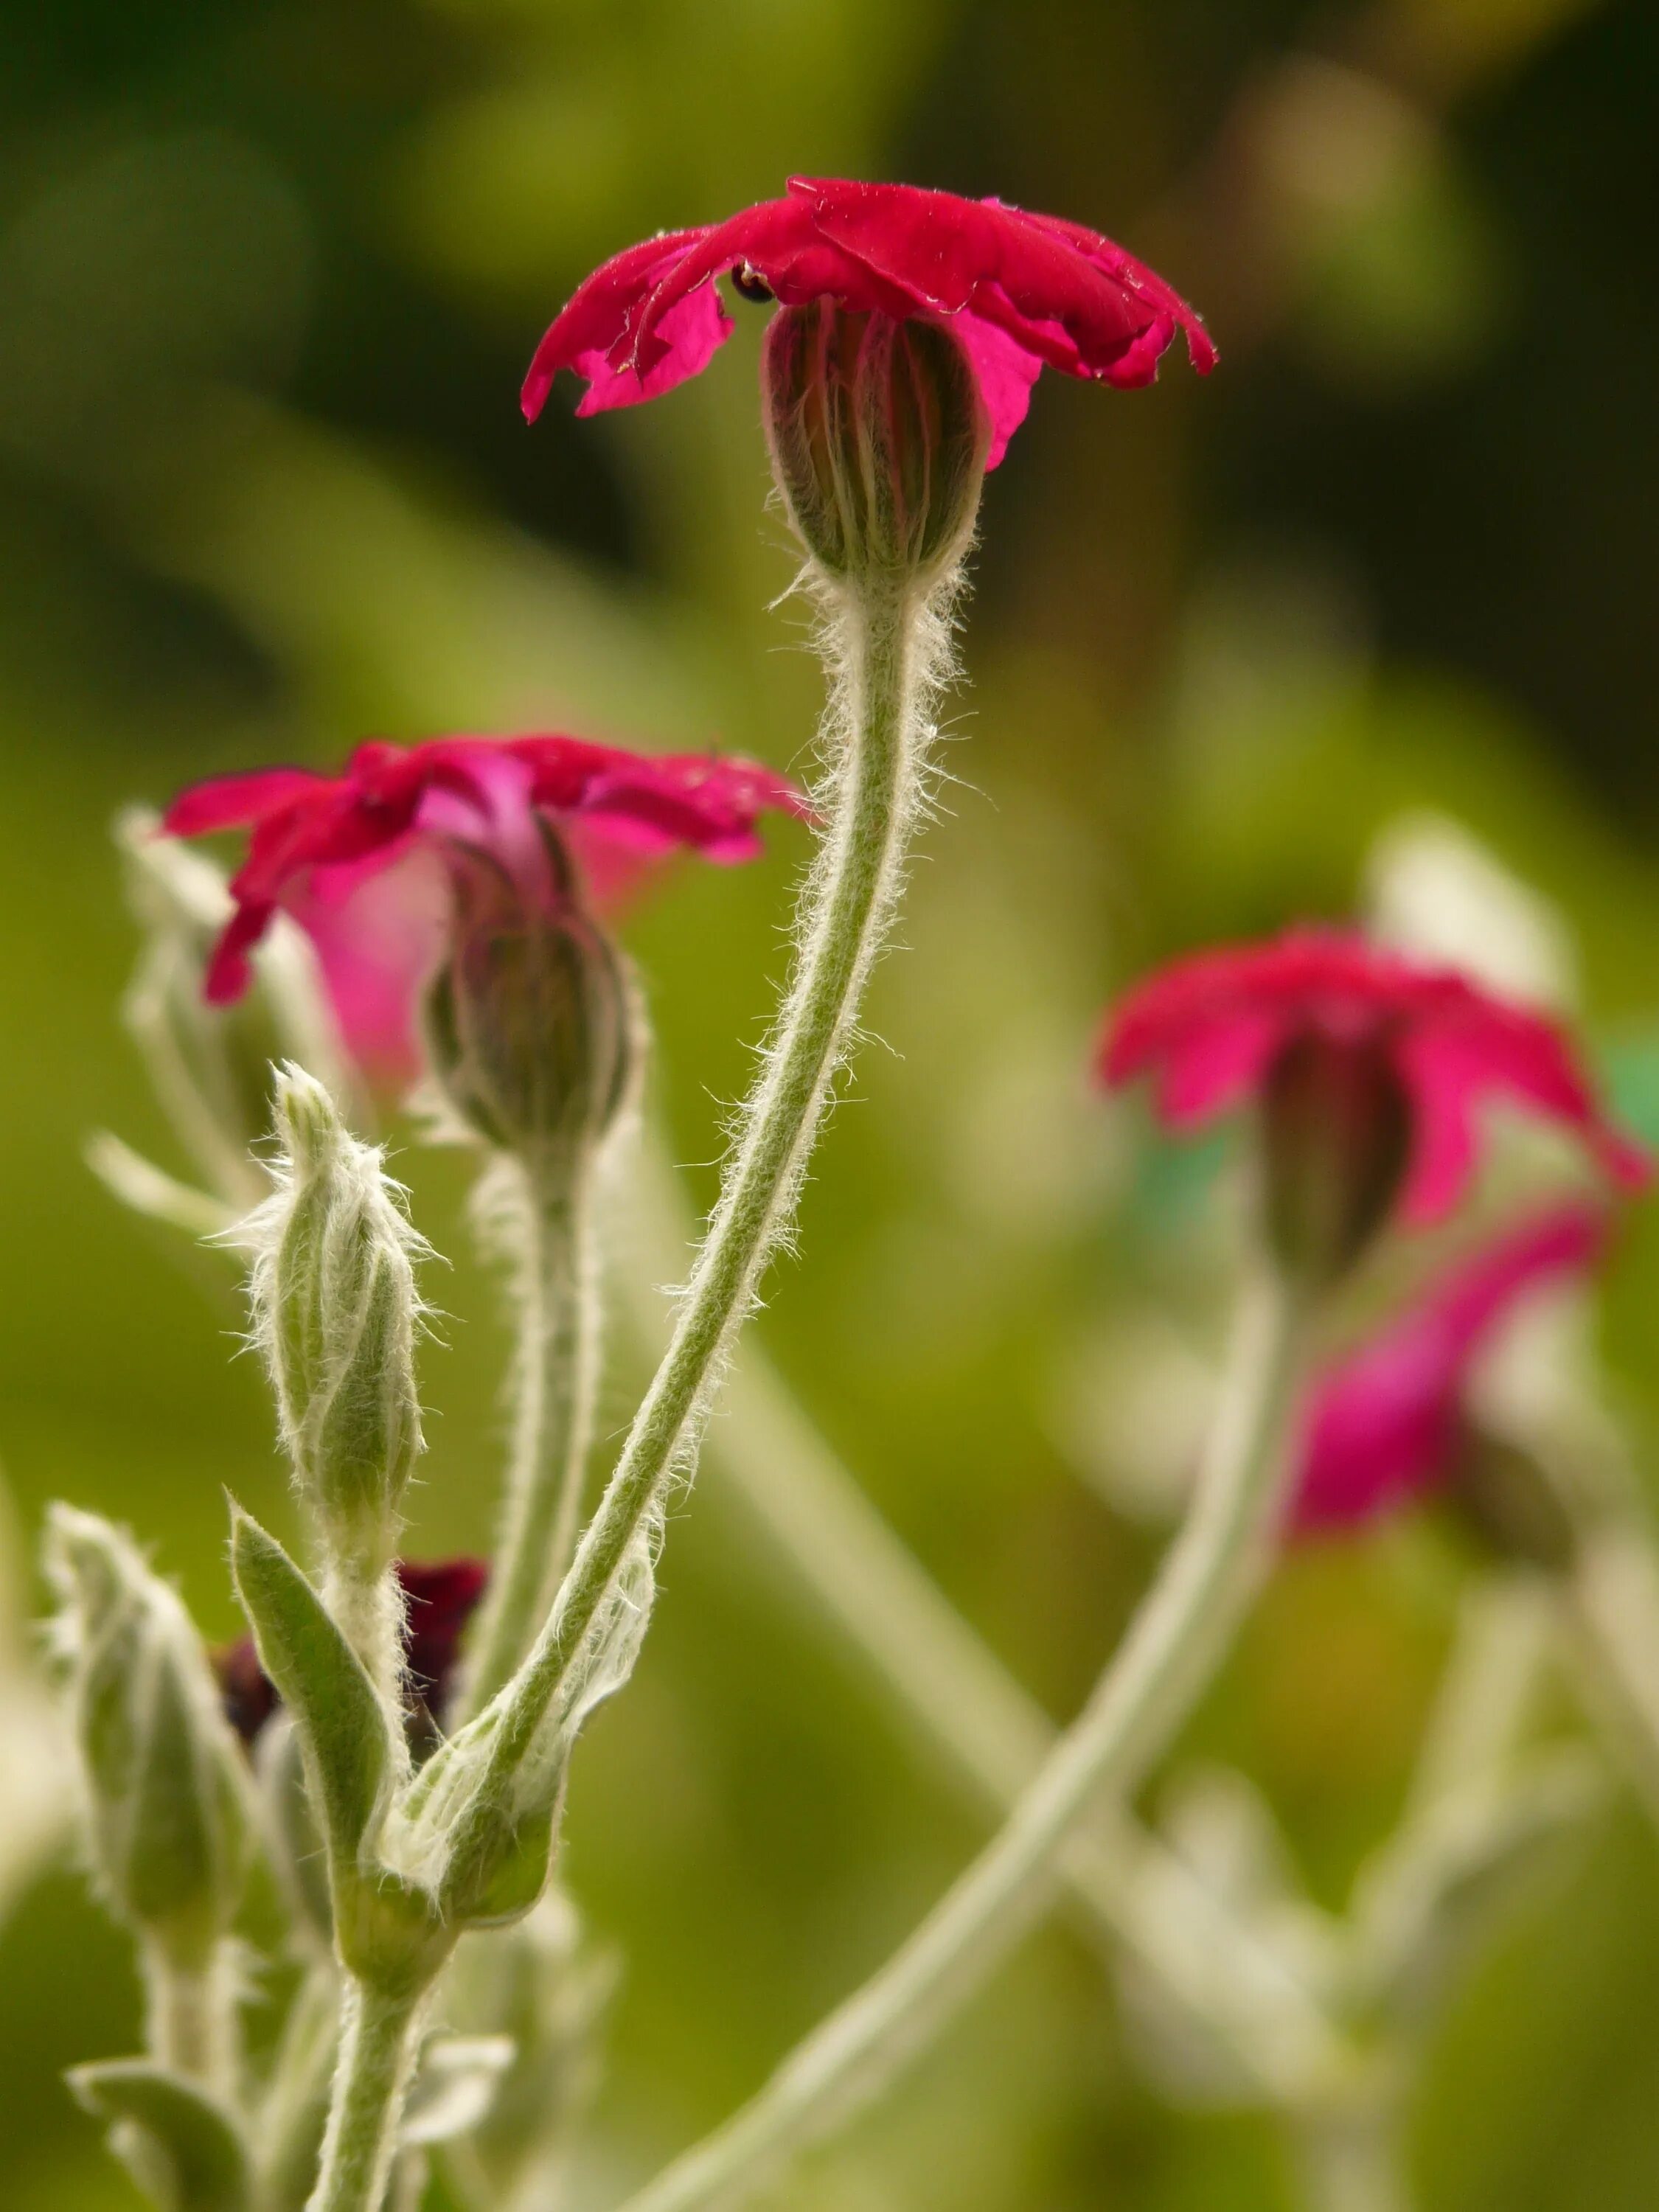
322, 1681
183, 2150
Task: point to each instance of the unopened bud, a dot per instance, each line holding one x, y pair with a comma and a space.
1336, 1140
878, 438
336, 1310
165, 1799
530, 1021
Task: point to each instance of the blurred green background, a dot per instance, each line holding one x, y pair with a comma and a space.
270, 273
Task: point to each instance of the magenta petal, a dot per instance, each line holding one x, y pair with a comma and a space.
378, 937
1006, 372
598, 313
1214, 1067
691, 333
229, 970
232, 802
1383, 1426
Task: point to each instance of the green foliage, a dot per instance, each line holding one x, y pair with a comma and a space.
341, 1722
183, 2150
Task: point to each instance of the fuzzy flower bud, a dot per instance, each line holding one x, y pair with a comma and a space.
336, 1310
1336, 1132
530, 1023
166, 1808
878, 438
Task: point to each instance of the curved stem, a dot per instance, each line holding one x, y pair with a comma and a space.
933, 1668
1177, 1637
556, 1377
380, 2037
1610, 1602
879, 646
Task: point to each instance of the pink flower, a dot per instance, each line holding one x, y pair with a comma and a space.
1385, 1425
1021, 292
360, 860
1214, 1026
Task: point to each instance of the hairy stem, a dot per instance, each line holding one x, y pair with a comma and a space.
380, 2037
365, 1602
557, 1295
880, 642
190, 2015
1177, 1637
935, 1672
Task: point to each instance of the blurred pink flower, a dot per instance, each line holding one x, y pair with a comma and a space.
1214, 1026
1021, 292
359, 860
1383, 1427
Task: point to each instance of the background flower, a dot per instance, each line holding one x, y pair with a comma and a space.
358, 859
1210, 1027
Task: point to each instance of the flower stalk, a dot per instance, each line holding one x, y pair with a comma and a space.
887, 645
1609, 1605
934, 1671
1177, 1639
379, 2042
190, 2025
548, 1215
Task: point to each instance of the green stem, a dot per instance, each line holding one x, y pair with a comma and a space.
881, 652
1350, 2161
294, 2110
557, 1378
189, 2023
364, 1598
937, 1673
1488, 1688
1177, 1637
1610, 1604
380, 2037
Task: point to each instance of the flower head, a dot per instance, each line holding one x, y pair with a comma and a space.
1216, 1028
363, 860
1387, 1426
1019, 293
